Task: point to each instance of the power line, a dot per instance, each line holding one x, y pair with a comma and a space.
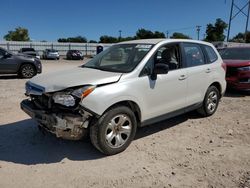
239, 11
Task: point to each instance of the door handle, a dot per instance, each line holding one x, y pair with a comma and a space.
182, 77
208, 70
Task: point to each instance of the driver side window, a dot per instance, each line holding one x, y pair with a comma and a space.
170, 55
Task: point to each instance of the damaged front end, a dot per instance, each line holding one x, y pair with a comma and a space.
59, 112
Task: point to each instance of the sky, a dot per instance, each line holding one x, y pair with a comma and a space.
52, 19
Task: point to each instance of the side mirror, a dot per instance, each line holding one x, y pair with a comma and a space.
161, 68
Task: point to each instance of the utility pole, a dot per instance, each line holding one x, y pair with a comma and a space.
247, 20
120, 35
167, 32
239, 10
198, 29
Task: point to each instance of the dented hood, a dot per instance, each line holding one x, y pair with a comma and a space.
79, 76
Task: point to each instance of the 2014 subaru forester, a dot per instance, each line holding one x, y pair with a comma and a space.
129, 85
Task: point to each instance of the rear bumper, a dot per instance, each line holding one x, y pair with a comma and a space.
67, 126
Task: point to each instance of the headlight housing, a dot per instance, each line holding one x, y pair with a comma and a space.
83, 92
69, 99
64, 99
244, 68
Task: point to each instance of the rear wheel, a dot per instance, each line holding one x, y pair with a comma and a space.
114, 131
27, 71
210, 102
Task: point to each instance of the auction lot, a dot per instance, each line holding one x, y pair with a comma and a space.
186, 151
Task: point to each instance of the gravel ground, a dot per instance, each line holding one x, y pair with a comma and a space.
186, 151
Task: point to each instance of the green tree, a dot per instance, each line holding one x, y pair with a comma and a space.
108, 39
127, 38
147, 34
248, 37
216, 32
92, 41
177, 35
77, 39
240, 37
20, 34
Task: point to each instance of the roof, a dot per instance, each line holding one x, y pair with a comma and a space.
143, 41
155, 41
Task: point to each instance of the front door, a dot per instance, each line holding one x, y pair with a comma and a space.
167, 93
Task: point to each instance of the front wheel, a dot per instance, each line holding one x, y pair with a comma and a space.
114, 131
27, 71
210, 102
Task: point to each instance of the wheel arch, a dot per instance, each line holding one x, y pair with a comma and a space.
130, 104
218, 86
26, 63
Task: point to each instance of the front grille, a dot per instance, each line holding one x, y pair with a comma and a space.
244, 80
42, 101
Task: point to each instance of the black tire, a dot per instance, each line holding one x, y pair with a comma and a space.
27, 71
101, 130
210, 102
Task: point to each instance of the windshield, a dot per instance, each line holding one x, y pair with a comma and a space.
236, 53
120, 58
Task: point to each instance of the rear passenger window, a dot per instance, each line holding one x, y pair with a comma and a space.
212, 57
193, 54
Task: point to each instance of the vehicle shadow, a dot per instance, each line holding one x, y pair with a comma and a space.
21, 142
9, 77
236, 93
166, 124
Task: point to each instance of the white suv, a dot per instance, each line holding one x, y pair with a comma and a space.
129, 85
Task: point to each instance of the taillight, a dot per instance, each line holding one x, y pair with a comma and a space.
224, 66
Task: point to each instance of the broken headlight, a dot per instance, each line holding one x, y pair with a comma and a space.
83, 91
64, 99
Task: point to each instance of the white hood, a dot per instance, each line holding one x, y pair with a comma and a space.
79, 76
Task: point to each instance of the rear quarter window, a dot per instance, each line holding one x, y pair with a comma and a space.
211, 55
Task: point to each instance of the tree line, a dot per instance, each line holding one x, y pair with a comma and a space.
214, 32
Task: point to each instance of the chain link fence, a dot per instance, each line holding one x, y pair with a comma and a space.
88, 49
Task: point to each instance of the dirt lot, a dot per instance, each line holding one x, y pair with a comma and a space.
186, 151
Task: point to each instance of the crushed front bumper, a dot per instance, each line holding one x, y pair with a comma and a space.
68, 126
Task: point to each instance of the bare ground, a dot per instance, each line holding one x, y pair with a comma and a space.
186, 151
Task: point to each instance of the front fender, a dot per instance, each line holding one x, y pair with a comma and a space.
106, 96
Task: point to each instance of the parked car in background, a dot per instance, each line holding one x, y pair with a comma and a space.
237, 60
51, 54
30, 51
74, 54
24, 65
131, 84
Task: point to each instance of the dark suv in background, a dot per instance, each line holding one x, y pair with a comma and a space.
237, 60
74, 54
24, 65
30, 51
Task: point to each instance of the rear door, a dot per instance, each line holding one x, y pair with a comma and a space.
197, 72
